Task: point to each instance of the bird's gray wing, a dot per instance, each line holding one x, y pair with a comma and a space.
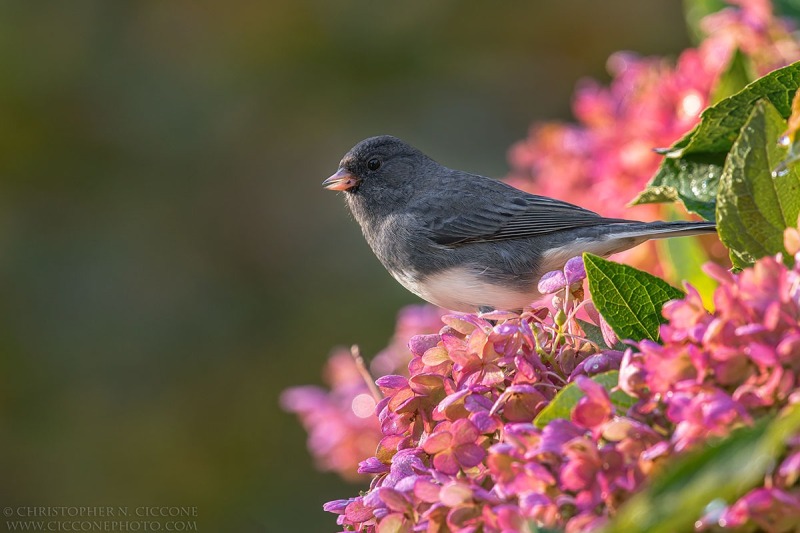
491, 213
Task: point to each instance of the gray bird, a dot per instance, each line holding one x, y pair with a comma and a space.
466, 242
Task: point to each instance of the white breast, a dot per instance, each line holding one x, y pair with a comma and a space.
465, 290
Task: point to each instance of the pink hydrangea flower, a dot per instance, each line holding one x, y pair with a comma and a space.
719, 370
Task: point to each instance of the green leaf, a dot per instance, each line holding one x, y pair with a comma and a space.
735, 78
692, 179
725, 470
753, 208
693, 165
592, 332
595, 334
533, 527
567, 398
630, 300
720, 124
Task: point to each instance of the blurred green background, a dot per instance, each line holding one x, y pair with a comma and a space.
168, 260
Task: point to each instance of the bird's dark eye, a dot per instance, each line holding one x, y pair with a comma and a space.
373, 164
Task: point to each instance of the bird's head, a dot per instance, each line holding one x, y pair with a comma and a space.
379, 166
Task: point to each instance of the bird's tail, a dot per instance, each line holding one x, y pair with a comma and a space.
618, 235
662, 230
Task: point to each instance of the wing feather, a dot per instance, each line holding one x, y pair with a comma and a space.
497, 211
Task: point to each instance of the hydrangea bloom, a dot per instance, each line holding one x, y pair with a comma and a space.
460, 451
717, 371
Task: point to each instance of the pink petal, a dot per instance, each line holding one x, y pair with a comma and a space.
425, 384
464, 431
453, 494
446, 463
609, 335
427, 490
462, 323
438, 442
393, 499
356, 511
393, 523
435, 356
593, 390
469, 455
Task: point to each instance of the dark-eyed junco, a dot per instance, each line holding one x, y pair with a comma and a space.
466, 242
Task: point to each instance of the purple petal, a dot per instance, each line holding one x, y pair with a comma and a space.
556, 433
790, 469
574, 270
336, 506
485, 422
419, 344
552, 282
372, 466
477, 402
391, 382
590, 414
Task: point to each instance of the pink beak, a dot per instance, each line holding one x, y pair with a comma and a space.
341, 181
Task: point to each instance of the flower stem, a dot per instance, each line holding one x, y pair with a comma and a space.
362, 369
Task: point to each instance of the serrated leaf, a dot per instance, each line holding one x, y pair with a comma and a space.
630, 300
692, 179
657, 194
725, 471
693, 165
720, 124
567, 398
753, 208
